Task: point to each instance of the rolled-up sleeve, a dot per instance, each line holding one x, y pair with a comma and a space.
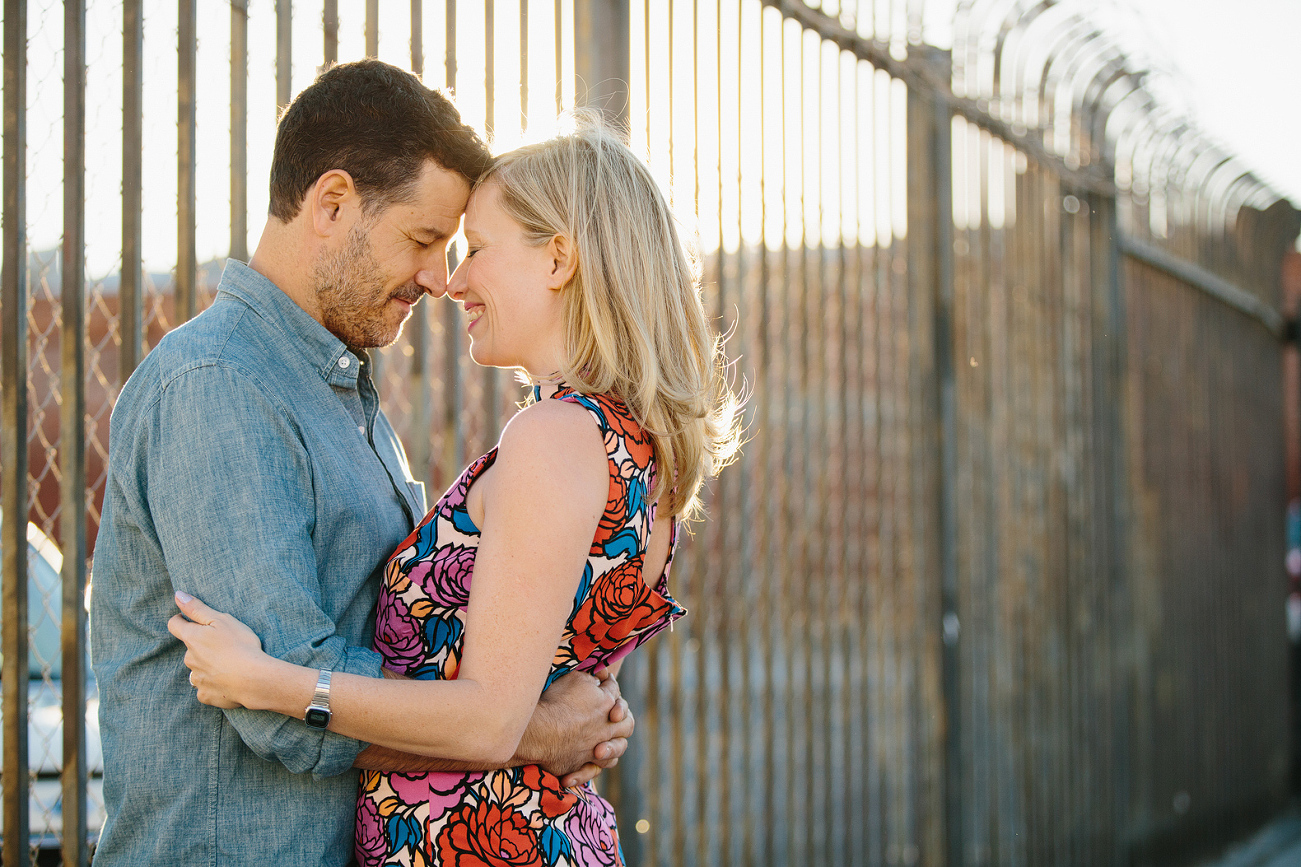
231, 495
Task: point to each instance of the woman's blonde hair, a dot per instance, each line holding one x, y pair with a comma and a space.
635, 326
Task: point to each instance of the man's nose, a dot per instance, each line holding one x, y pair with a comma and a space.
433, 281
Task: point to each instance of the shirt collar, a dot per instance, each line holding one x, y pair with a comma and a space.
325, 352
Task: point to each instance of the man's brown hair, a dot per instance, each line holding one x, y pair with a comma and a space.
378, 123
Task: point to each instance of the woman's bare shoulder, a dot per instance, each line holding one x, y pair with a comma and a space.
556, 438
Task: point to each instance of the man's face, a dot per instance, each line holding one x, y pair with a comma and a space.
366, 287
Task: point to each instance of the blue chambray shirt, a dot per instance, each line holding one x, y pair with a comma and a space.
249, 465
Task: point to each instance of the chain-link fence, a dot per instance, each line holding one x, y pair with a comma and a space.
998, 578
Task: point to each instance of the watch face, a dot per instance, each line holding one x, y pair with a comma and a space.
317, 717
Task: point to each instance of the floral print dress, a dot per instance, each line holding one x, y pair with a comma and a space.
517, 816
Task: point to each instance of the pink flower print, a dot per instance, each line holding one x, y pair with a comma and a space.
592, 830
445, 791
371, 845
411, 789
397, 633
448, 583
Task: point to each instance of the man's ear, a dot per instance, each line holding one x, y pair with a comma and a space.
333, 203
564, 261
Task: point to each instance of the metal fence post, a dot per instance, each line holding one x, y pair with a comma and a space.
602, 59
186, 286
13, 284
72, 435
930, 239
603, 68
239, 130
131, 286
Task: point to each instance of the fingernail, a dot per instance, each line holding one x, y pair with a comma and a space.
183, 597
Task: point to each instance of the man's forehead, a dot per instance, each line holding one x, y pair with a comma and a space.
435, 210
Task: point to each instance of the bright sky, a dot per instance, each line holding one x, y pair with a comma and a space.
1232, 62
1237, 63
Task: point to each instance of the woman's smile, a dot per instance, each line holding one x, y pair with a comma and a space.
473, 311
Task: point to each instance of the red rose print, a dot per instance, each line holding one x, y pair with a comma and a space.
620, 604
487, 835
615, 516
556, 800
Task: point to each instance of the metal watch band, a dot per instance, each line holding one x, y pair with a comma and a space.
321, 697
317, 714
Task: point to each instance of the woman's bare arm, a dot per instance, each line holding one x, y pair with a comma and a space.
549, 488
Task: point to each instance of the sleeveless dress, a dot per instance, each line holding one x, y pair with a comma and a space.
516, 816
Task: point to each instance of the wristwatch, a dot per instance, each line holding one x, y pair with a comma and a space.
318, 712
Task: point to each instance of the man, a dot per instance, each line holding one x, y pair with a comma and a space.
250, 465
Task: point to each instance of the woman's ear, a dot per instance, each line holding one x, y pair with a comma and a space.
564, 261
333, 203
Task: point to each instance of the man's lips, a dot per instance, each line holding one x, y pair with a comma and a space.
407, 298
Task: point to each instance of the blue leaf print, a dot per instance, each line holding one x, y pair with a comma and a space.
584, 587
402, 831
636, 495
441, 633
624, 542
461, 521
555, 845
426, 542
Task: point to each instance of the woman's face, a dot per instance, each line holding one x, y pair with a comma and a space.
509, 290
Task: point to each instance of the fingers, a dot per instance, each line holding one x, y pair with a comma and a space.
194, 609
585, 774
602, 674
610, 687
608, 754
622, 727
619, 711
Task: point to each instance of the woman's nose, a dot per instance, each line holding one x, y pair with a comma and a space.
456, 283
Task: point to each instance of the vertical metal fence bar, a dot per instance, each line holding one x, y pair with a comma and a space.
772, 841
372, 28
601, 33
940, 133
1118, 610
72, 435
491, 376
418, 329
853, 114
524, 65
751, 330
558, 14
185, 295
330, 32
418, 37
285, 53
13, 301
453, 455
788, 632
239, 130
131, 285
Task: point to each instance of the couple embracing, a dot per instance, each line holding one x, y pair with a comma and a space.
368, 680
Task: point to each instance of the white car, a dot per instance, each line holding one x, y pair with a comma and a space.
45, 703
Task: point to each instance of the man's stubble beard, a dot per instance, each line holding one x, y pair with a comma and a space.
350, 293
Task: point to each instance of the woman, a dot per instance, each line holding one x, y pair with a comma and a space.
574, 274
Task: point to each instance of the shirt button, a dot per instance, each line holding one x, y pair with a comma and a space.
361, 429
344, 362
